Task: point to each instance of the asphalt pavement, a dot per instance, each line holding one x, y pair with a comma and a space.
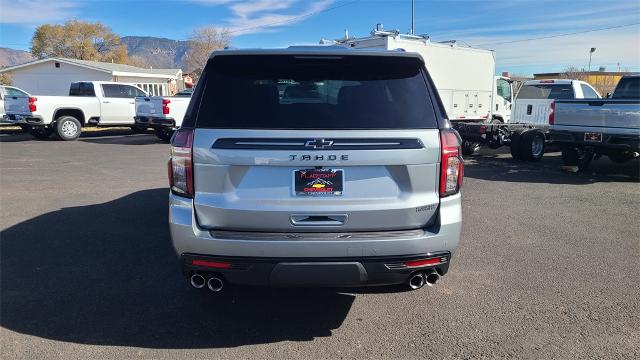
548, 267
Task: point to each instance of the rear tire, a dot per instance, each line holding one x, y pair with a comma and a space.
41, 133
532, 145
164, 134
516, 139
68, 128
572, 156
470, 147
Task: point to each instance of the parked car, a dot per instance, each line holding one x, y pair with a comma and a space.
163, 114
315, 166
8, 91
594, 127
98, 103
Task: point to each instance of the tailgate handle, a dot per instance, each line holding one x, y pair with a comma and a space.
319, 220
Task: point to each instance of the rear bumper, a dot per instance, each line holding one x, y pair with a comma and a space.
155, 122
25, 119
328, 272
616, 142
351, 253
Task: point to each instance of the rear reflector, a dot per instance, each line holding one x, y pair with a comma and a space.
423, 262
211, 264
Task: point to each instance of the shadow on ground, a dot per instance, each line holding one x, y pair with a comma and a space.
106, 274
499, 166
111, 135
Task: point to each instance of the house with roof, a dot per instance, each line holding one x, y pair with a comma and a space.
52, 76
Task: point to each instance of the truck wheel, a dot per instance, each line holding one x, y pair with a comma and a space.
470, 147
164, 134
572, 156
68, 128
41, 133
516, 138
532, 145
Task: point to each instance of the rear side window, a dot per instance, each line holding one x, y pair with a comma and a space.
628, 88
121, 91
546, 91
82, 89
588, 92
315, 92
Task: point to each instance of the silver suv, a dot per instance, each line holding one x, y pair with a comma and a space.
315, 166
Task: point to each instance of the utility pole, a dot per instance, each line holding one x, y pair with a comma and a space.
413, 13
591, 53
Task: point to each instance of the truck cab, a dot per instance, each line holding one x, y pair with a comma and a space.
502, 99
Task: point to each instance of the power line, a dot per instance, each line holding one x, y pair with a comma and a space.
558, 35
337, 6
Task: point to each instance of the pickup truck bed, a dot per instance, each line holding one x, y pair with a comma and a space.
163, 114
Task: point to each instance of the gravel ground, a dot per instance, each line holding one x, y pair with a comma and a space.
548, 267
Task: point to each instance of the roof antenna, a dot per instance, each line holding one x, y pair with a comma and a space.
413, 13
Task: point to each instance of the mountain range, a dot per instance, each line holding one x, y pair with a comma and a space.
157, 52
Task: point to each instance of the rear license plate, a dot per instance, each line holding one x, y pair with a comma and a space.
593, 137
314, 182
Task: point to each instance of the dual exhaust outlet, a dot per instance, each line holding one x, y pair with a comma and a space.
421, 278
415, 281
214, 283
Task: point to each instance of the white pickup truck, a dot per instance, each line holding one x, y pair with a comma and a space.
89, 102
163, 114
535, 100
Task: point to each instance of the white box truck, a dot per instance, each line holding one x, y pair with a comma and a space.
478, 103
464, 76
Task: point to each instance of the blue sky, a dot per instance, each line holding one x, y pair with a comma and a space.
497, 25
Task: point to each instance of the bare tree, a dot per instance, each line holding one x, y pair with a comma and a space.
573, 73
203, 41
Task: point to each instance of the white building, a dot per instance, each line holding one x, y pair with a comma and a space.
52, 76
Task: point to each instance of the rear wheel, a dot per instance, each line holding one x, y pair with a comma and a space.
164, 134
40, 132
532, 145
68, 128
572, 156
470, 147
516, 139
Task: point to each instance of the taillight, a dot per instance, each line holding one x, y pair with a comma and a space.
32, 103
552, 113
165, 106
450, 163
181, 163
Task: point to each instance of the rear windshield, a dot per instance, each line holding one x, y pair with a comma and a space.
546, 91
628, 88
303, 92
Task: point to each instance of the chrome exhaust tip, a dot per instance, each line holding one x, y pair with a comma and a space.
197, 281
215, 284
416, 281
432, 277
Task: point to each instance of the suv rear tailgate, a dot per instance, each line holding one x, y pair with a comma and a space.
253, 189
